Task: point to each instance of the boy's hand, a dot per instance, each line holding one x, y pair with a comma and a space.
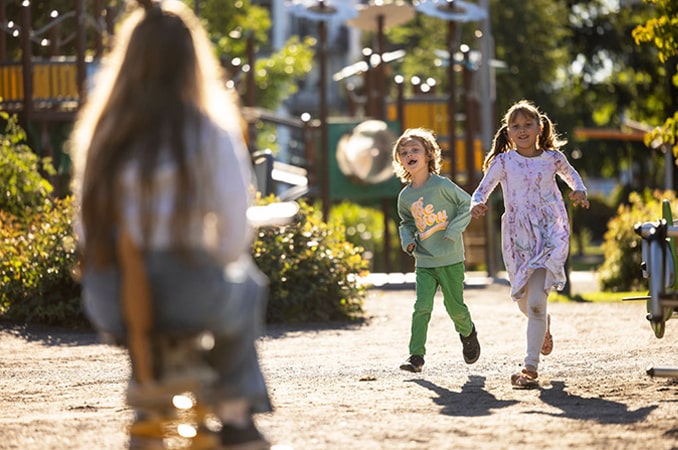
478, 210
579, 199
410, 248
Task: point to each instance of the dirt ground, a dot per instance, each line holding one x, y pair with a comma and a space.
338, 387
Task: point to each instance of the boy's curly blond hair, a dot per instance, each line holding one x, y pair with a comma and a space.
427, 138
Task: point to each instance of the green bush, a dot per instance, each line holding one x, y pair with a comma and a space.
22, 186
39, 256
312, 271
36, 238
363, 227
621, 270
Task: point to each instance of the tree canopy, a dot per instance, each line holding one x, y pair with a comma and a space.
587, 63
276, 71
579, 60
230, 25
662, 31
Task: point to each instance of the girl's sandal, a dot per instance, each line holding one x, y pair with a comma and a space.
524, 379
547, 345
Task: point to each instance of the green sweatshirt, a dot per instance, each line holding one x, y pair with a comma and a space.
433, 217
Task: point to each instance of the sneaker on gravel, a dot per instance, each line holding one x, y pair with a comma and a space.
413, 364
471, 346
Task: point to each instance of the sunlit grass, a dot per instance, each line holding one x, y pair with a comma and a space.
595, 297
590, 258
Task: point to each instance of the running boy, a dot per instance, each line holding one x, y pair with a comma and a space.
433, 212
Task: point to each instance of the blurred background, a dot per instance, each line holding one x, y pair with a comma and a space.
327, 86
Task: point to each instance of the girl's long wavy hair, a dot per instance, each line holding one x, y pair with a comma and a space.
160, 80
427, 138
548, 138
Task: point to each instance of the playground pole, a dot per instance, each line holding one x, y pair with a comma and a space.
451, 100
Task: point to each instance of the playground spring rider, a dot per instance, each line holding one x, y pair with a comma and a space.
659, 263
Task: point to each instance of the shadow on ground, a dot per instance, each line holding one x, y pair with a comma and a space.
596, 409
473, 400
49, 335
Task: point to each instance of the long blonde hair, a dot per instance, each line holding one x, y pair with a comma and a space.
548, 138
428, 140
160, 80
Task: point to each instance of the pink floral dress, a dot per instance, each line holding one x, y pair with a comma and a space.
535, 229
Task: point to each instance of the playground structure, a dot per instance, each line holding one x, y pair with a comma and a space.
44, 67
55, 90
50, 88
659, 263
46, 92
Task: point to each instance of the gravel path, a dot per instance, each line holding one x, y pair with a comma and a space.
338, 387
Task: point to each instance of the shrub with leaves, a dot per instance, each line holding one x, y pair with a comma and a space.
313, 271
21, 184
622, 246
364, 228
36, 271
36, 238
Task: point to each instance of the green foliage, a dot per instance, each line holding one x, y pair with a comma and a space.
21, 185
312, 271
231, 24
36, 243
622, 246
276, 77
37, 282
667, 134
610, 79
662, 30
543, 26
421, 59
364, 228
312, 268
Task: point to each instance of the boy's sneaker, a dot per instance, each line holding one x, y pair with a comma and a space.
413, 364
471, 346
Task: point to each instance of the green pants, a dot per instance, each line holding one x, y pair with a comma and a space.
451, 282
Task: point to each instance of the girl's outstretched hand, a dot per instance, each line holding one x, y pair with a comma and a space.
579, 199
478, 210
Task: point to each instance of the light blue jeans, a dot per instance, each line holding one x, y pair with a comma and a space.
191, 295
